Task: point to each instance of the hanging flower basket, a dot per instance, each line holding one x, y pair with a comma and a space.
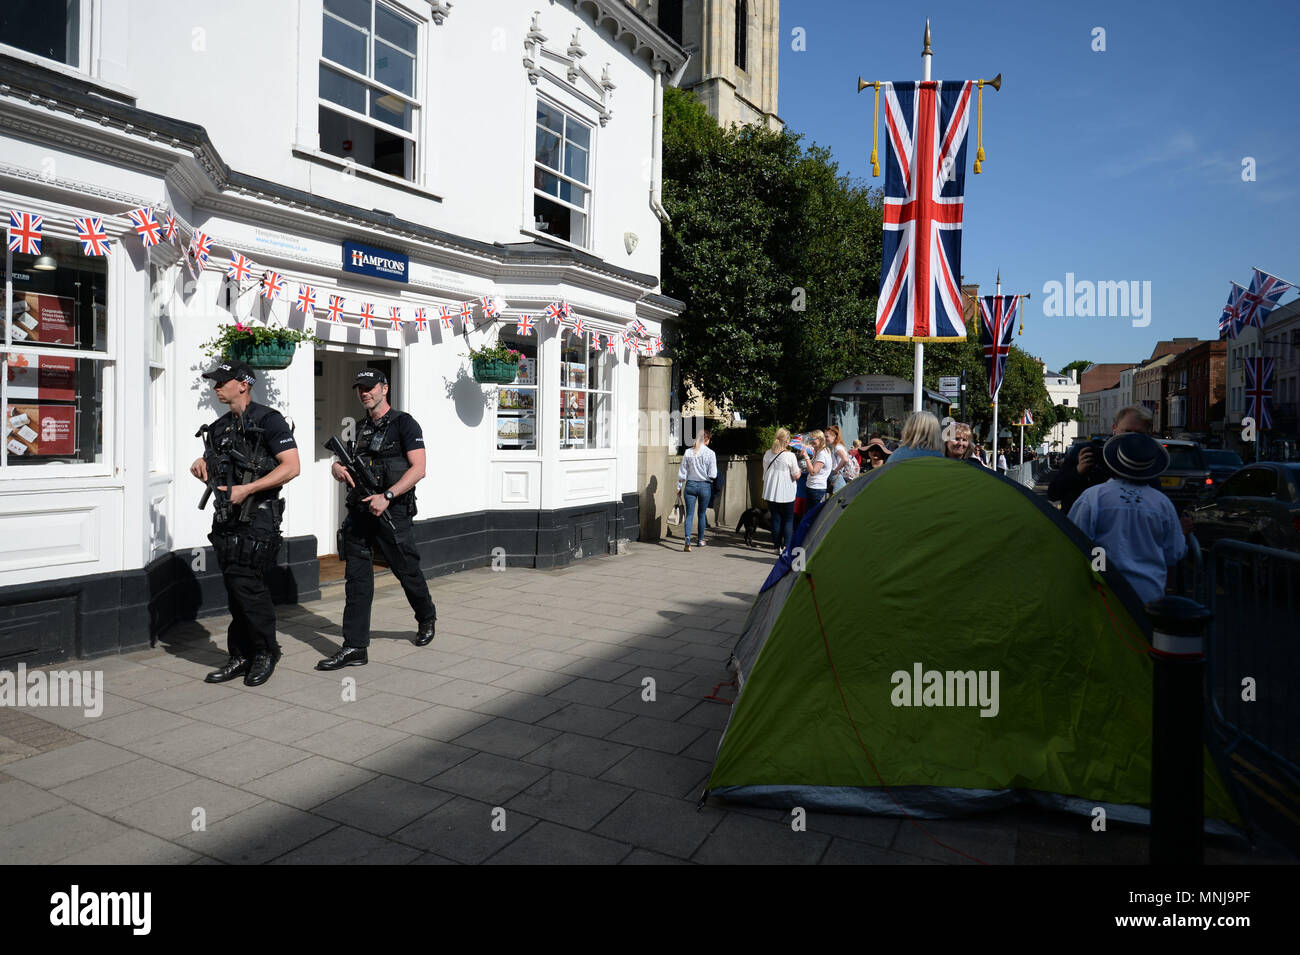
490, 371
265, 355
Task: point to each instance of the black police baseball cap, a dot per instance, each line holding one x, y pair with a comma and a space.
369, 377
228, 369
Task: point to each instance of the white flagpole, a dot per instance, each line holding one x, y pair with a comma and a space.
918, 363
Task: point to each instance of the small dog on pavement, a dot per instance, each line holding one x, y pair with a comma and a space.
752, 520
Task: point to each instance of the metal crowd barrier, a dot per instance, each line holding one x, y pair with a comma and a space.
1254, 654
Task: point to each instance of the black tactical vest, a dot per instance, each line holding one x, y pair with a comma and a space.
242, 451
379, 446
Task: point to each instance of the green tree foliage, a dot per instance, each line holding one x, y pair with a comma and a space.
762, 226
1081, 364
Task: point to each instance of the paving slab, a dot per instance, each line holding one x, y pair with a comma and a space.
383, 805
578, 802
63, 765
549, 844
258, 834
465, 830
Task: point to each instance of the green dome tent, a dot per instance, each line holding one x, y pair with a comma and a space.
946, 647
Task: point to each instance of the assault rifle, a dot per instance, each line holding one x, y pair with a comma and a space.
363, 479
217, 478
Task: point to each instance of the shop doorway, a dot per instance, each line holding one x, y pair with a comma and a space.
337, 413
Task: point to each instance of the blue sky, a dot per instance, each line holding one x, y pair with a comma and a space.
1122, 165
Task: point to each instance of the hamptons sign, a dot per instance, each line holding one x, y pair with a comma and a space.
376, 263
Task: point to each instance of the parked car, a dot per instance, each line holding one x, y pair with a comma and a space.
1260, 504
1187, 480
1223, 464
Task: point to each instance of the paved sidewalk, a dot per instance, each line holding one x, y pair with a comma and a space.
529, 701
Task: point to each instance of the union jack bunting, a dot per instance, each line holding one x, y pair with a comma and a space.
638, 327
367, 315
200, 248
579, 329
566, 310
241, 268
594, 343
1259, 390
25, 232
1260, 299
925, 175
445, 315
999, 313
395, 317
524, 325
306, 299
272, 285
147, 226
466, 313
629, 340
1229, 319
94, 240
554, 311
611, 346
421, 319
490, 308
657, 344
169, 230
336, 308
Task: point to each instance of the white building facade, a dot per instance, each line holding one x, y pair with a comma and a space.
480, 150
1063, 390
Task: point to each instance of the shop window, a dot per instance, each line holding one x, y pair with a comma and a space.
517, 403
53, 391
50, 30
369, 107
586, 395
562, 175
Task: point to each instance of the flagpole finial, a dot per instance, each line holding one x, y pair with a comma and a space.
999, 276
927, 51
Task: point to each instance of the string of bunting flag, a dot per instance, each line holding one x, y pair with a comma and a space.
25, 231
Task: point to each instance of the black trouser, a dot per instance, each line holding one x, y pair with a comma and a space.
361, 534
244, 551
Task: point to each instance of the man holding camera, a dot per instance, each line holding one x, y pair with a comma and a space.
1083, 466
390, 445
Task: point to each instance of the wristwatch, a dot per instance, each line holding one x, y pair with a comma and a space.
388, 495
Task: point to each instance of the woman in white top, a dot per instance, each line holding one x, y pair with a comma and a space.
840, 461
695, 480
780, 472
819, 468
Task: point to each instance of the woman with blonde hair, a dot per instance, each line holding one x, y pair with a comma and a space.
920, 438
780, 474
842, 466
819, 466
957, 443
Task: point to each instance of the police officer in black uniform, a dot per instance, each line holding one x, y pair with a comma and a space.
249, 455
391, 444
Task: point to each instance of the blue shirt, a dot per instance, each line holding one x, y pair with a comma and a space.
1139, 529
698, 467
904, 452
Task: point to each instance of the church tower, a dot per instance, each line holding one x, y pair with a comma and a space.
735, 49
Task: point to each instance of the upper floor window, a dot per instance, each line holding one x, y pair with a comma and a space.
742, 34
369, 103
562, 175
51, 30
670, 18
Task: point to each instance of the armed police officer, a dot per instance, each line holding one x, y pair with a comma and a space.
381, 474
249, 454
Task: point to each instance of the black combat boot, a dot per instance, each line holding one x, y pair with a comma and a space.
425, 635
233, 668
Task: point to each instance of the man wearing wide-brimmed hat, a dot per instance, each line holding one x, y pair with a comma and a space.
1137, 525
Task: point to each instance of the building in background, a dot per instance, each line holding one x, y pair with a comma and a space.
1063, 390
347, 154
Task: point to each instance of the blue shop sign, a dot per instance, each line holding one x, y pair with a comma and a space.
377, 263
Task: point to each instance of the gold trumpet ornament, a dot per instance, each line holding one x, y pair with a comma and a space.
996, 83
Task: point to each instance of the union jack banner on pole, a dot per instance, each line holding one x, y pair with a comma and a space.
169, 231
999, 314
925, 175
306, 299
445, 314
241, 268
147, 226
272, 285
395, 317
421, 319
200, 248
1026, 418
367, 315
1261, 299
25, 232
524, 325
94, 240
1230, 319
1259, 390
336, 308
